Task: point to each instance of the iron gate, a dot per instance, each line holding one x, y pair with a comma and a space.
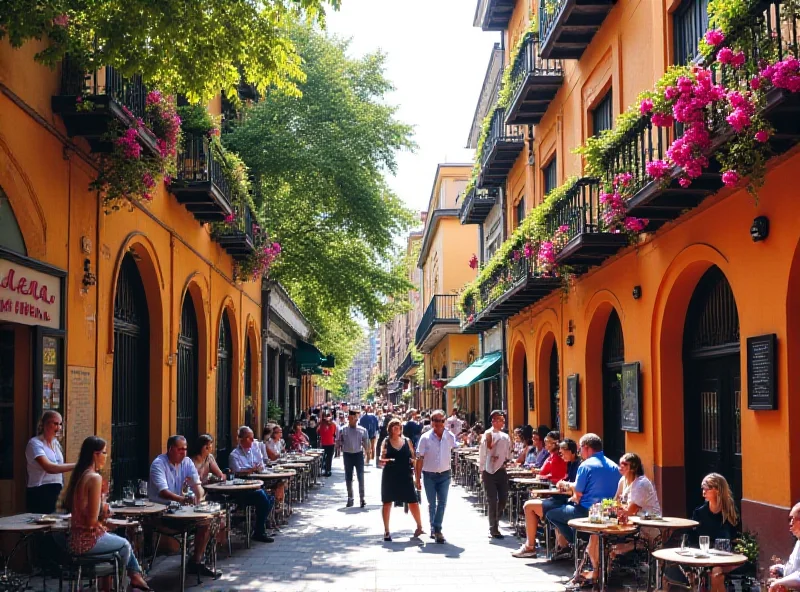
249, 409
130, 403
224, 366
188, 349
555, 389
613, 358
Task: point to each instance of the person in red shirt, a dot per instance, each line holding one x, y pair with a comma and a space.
327, 439
554, 468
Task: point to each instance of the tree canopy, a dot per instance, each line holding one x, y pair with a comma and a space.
322, 159
193, 47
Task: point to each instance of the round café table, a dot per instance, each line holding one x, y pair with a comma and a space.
183, 521
603, 531
666, 527
699, 565
279, 475
227, 490
26, 527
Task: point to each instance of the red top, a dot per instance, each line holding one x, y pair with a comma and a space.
327, 434
554, 468
82, 535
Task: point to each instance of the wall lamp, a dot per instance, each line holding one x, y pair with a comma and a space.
570, 340
89, 279
637, 292
759, 231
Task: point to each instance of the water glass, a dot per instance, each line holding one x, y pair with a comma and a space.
684, 542
704, 542
142, 488
723, 545
127, 494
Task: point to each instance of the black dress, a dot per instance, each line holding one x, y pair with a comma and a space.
397, 484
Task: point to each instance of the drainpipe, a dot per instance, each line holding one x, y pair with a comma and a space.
266, 289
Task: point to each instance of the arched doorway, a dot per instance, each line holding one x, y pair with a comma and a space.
555, 390
712, 387
613, 358
130, 400
188, 372
249, 406
224, 376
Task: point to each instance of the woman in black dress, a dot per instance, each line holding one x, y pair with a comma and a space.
397, 485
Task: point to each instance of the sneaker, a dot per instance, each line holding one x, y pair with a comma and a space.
263, 538
562, 553
439, 538
524, 552
350, 502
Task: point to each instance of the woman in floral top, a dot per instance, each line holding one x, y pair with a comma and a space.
298, 438
85, 498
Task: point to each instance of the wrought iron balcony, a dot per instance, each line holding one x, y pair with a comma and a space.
90, 104
502, 146
494, 15
566, 27
535, 81
588, 240
477, 204
241, 237
440, 318
199, 183
407, 364
511, 289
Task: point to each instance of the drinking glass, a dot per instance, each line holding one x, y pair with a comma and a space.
142, 488
704, 542
723, 545
127, 494
684, 542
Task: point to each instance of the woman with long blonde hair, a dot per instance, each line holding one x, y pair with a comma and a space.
717, 519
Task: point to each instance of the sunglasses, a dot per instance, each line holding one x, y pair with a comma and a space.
437, 421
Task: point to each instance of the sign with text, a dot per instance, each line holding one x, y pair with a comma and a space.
631, 399
573, 412
80, 408
761, 378
29, 297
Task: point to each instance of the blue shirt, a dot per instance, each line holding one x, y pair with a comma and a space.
369, 422
597, 479
542, 456
166, 476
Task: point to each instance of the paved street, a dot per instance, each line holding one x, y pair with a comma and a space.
327, 546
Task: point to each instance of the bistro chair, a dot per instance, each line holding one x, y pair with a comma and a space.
78, 568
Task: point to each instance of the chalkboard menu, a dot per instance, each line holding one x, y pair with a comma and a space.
631, 407
531, 400
761, 384
572, 402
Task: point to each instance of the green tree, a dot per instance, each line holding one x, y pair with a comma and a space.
195, 47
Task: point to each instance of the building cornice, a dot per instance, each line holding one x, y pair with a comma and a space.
430, 230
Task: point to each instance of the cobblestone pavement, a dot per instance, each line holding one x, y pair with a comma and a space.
327, 546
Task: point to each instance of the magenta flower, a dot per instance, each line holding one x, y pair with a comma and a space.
230, 219
563, 228
148, 180
738, 120
725, 55
738, 59
623, 179
528, 250
762, 136
62, 20
646, 106
714, 37
130, 145
662, 120
153, 97
635, 224
671, 93
730, 178
755, 83
473, 262
657, 169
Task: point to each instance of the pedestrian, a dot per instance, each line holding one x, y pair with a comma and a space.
397, 485
370, 423
353, 441
327, 439
46, 466
413, 428
387, 417
311, 432
495, 452
454, 422
433, 466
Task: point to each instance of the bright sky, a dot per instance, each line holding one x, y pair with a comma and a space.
436, 60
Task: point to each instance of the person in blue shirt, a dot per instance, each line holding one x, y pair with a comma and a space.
369, 422
596, 479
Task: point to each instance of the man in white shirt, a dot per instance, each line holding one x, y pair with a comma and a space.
454, 423
247, 459
787, 576
168, 473
495, 452
433, 463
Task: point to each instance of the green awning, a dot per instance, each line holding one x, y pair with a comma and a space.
481, 369
329, 361
308, 356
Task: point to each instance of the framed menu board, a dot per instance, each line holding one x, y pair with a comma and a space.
573, 417
531, 399
761, 370
631, 408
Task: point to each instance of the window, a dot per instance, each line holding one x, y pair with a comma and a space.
550, 173
520, 210
603, 115
689, 22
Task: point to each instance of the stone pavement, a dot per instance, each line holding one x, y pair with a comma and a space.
327, 546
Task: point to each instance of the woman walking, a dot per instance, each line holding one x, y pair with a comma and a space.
46, 466
397, 485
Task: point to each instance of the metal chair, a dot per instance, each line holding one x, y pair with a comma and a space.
93, 567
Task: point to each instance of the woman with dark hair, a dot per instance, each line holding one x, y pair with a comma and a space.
298, 440
84, 498
538, 441
45, 464
383, 432
203, 460
311, 432
526, 453
397, 484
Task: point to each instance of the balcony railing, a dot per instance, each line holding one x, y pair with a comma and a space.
535, 82
91, 103
566, 27
580, 213
407, 364
494, 15
243, 235
477, 204
506, 293
200, 184
440, 317
502, 146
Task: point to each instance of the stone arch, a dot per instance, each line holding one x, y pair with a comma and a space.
24, 202
196, 287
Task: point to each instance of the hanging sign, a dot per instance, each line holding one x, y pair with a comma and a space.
29, 297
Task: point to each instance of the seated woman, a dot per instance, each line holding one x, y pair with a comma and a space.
274, 448
527, 453
299, 441
475, 434
717, 519
520, 446
84, 499
536, 509
203, 460
542, 453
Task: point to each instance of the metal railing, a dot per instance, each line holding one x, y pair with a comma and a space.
477, 197
197, 163
642, 144
107, 81
406, 365
529, 62
244, 223
441, 309
579, 210
499, 132
548, 15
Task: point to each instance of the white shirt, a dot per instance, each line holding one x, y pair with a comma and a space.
275, 446
36, 474
241, 459
435, 452
453, 424
165, 475
793, 564
640, 492
493, 460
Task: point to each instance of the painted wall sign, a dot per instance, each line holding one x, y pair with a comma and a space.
631, 398
29, 297
761, 377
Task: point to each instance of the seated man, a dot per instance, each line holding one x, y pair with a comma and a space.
786, 576
168, 473
245, 459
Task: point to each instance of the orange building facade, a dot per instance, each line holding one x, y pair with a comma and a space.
683, 346
144, 330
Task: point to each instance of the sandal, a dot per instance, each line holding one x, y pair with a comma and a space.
418, 532
387, 537
579, 582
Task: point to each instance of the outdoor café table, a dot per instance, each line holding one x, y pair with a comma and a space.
25, 526
139, 515
183, 521
276, 476
666, 527
227, 490
699, 565
603, 531
302, 483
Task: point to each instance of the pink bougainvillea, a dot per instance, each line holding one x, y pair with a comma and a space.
714, 37
730, 178
473, 262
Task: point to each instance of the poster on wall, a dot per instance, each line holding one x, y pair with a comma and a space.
531, 399
761, 367
572, 402
631, 408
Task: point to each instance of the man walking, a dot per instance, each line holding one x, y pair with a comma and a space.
495, 451
353, 441
433, 464
369, 422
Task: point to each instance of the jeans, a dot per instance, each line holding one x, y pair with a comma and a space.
263, 503
354, 460
42, 499
436, 487
496, 486
111, 543
559, 517
328, 457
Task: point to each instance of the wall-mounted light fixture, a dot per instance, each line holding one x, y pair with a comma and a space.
570, 340
89, 279
759, 231
637, 292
